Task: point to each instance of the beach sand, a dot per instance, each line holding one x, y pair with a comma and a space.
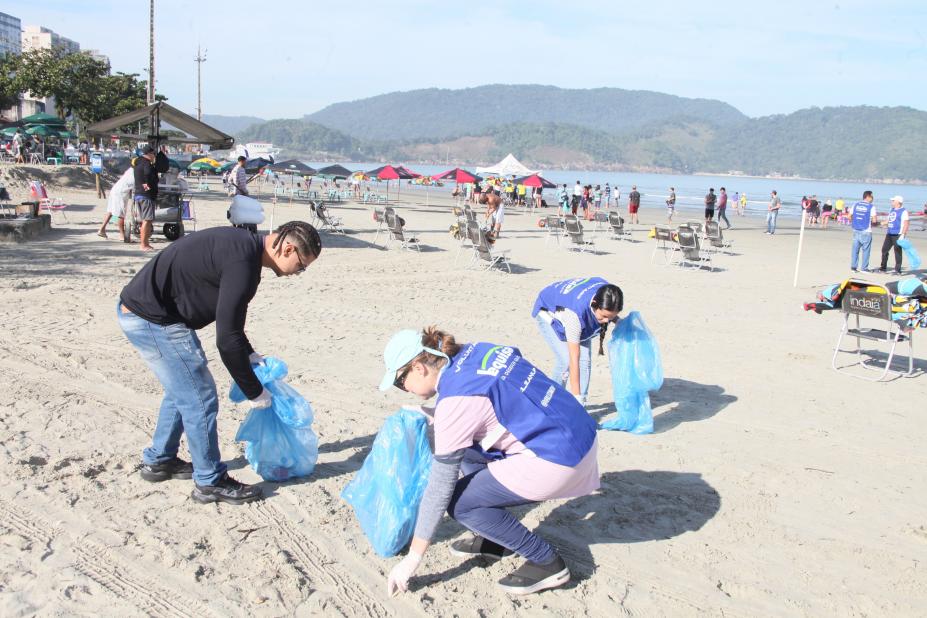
771, 486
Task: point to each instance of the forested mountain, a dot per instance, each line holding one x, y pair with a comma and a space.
231, 124
438, 113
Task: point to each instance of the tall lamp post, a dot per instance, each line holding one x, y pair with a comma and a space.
151, 53
199, 60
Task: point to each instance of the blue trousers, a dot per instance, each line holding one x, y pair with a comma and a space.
190, 404
861, 241
479, 502
561, 370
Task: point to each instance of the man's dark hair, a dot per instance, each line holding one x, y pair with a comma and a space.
303, 236
775, 193
867, 194
723, 189
242, 159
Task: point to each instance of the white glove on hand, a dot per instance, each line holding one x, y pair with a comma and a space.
262, 401
255, 359
398, 580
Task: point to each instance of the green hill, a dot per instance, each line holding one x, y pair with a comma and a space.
231, 124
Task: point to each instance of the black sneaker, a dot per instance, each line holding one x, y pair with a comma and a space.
174, 469
478, 546
227, 490
531, 577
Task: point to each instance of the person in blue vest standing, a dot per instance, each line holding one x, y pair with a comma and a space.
862, 214
517, 436
895, 229
569, 315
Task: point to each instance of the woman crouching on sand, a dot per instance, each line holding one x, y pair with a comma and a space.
517, 437
570, 314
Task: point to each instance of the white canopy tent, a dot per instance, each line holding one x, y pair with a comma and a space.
506, 167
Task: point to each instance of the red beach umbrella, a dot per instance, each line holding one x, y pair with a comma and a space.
458, 175
390, 172
534, 180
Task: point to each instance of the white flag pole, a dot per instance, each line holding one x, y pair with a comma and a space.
801, 238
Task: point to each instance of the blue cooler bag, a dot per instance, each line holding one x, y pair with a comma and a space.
636, 369
280, 442
387, 490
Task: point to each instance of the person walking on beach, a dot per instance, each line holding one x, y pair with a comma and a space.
577, 195
710, 205
772, 212
634, 204
722, 207
608, 196
495, 211
515, 435
862, 214
671, 205
896, 227
564, 199
239, 178
743, 204
207, 277
570, 314
146, 194
735, 200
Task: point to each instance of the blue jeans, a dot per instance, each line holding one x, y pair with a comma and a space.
771, 216
190, 403
479, 502
561, 371
861, 240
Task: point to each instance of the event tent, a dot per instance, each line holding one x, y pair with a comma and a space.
509, 166
198, 132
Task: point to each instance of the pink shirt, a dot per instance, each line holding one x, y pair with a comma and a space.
460, 422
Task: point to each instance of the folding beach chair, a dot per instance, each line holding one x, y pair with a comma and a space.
872, 306
554, 226
380, 219
616, 225
395, 223
665, 241
483, 251
462, 221
690, 248
716, 238
51, 204
574, 230
328, 222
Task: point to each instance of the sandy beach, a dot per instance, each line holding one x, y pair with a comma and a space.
771, 486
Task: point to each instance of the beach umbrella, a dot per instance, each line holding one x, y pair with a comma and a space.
9, 131
43, 118
209, 161
174, 164
335, 171
41, 130
459, 176
201, 166
256, 164
391, 172
534, 180
292, 167
226, 166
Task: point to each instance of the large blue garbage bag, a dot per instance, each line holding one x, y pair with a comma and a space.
387, 490
636, 369
914, 259
280, 442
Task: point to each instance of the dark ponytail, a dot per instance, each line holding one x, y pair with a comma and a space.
610, 298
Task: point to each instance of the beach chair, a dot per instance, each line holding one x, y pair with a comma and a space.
483, 251
877, 306
665, 241
574, 230
698, 226
395, 224
51, 204
690, 249
716, 238
380, 219
461, 224
554, 226
616, 227
328, 222
187, 213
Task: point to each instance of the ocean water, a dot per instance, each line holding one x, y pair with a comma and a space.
691, 190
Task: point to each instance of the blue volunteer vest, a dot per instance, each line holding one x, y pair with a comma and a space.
894, 221
862, 213
576, 295
543, 415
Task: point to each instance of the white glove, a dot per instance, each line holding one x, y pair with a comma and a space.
398, 580
262, 401
255, 359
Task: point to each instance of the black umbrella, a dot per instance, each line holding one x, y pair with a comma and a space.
257, 164
335, 171
292, 167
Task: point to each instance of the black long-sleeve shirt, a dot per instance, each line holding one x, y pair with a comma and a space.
145, 173
206, 277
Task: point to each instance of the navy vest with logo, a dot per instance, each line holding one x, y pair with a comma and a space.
894, 221
543, 415
575, 295
862, 213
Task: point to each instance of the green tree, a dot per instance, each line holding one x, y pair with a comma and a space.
72, 79
9, 88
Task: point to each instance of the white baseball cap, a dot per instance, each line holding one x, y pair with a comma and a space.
898, 199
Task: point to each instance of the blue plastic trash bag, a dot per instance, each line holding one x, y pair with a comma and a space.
914, 259
387, 490
636, 369
280, 442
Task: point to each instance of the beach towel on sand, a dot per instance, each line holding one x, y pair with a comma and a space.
387, 490
280, 442
636, 369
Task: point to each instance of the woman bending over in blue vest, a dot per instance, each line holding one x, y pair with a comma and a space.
517, 437
570, 314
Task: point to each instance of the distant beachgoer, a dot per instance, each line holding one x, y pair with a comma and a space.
584, 200
671, 205
577, 195
497, 444
743, 204
722, 207
841, 212
710, 205
239, 177
597, 196
570, 314
634, 204
827, 212
608, 196
862, 214
772, 212
564, 198
896, 227
814, 209
735, 201
495, 212
538, 199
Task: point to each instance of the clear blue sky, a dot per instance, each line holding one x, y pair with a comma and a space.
284, 58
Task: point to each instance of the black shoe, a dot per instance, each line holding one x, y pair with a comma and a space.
478, 546
883, 270
174, 469
227, 490
531, 577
